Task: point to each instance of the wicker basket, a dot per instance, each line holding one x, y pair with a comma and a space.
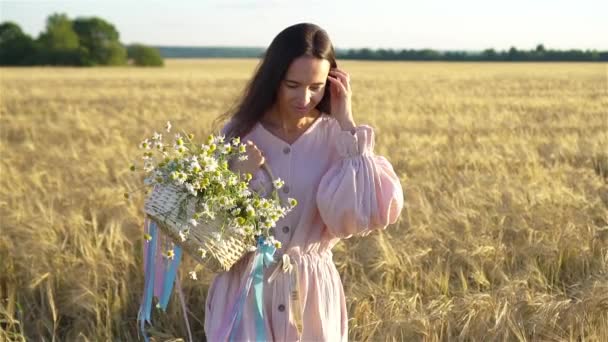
163, 207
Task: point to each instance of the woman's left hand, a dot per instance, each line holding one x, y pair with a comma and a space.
341, 94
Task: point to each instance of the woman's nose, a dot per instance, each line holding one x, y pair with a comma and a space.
304, 98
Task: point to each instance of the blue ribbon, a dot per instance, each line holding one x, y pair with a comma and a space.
170, 275
264, 256
146, 306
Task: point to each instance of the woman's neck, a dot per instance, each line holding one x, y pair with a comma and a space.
277, 121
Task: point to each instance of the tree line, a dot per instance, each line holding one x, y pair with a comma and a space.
84, 41
90, 41
540, 53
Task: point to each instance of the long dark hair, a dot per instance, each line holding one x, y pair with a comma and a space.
304, 39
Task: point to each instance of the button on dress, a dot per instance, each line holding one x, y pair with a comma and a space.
343, 189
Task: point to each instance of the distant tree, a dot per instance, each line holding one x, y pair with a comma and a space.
366, 53
428, 55
452, 56
538, 54
142, 55
59, 43
99, 41
404, 55
513, 54
384, 54
489, 55
16, 47
540, 48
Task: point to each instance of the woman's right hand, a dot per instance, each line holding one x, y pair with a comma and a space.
255, 159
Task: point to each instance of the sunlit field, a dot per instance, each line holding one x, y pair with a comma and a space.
504, 167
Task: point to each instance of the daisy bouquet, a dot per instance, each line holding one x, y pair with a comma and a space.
206, 208
208, 211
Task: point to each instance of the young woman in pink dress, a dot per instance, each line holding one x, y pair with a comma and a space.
296, 117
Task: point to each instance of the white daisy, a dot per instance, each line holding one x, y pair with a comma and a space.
191, 189
170, 254
249, 210
278, 183
210, 164
145, 144
183, 234
233, 180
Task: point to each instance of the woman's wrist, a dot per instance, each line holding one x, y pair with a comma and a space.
348, 125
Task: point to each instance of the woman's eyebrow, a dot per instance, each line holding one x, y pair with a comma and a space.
296, 82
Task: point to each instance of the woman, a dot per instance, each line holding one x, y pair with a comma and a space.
296, 116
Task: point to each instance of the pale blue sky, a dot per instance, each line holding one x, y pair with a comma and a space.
398, 24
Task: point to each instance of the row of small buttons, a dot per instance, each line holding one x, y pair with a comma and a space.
286, 150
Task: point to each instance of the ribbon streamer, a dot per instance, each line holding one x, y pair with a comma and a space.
263, 257
160, 275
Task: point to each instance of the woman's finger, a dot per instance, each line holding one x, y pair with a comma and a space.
343, 78
344, 87
340, 71
337, 83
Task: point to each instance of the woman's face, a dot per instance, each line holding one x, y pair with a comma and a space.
303, 87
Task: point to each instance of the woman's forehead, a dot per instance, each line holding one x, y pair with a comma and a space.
308, 70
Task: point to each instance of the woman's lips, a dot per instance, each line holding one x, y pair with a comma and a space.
300, 109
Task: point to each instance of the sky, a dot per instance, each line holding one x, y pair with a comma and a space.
400, 24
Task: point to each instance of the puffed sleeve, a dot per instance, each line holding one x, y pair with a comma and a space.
360, 191
260, 182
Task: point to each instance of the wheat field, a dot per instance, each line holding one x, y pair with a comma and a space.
504, 167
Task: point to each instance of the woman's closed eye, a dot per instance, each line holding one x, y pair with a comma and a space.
313, 88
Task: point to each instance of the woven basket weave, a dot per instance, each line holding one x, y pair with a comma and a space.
163, 207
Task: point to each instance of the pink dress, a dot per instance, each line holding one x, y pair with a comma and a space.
343, 189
